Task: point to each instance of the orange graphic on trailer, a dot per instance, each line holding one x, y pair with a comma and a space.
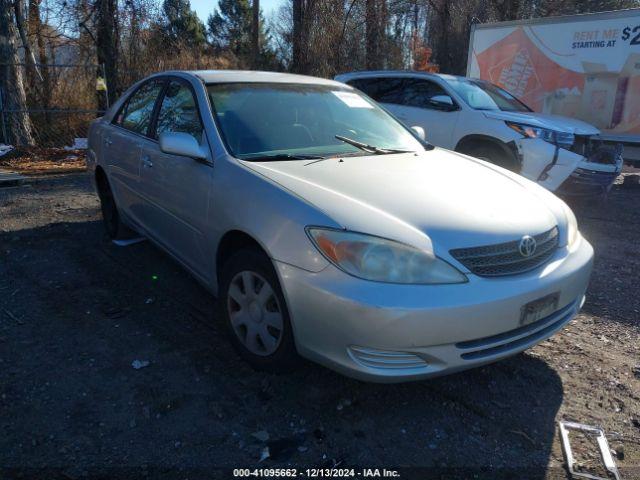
517, 74
516, 61
610, 100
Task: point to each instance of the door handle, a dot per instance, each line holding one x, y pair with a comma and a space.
146, 161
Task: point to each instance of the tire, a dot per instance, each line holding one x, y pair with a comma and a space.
116, 230
490, 153
256, 320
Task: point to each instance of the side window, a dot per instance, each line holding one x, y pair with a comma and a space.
418, 93
384, 90
135, 115
366, 85
391, 90
179, 112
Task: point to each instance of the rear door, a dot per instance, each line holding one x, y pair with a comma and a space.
177, 188
122, 144
409, 100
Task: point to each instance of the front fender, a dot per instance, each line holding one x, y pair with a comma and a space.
275, 217
538, 158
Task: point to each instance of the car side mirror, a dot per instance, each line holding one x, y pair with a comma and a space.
419, 131
183, 144
445, 102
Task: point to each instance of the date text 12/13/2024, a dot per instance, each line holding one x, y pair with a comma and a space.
316, 473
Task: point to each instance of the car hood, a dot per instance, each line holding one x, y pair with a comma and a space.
553, 122
434, 199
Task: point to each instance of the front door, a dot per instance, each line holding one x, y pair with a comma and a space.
177, 188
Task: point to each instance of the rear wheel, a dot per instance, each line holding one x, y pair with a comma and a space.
489, 152
110, 215
255, 313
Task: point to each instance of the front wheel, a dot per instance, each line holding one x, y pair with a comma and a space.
255, 313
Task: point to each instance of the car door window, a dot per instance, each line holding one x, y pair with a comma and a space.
418, 93
136, 114
179, 112
381, 89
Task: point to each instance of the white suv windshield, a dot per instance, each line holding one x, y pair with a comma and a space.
481, 95
259, 121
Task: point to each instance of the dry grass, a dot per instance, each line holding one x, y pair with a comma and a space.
37, 160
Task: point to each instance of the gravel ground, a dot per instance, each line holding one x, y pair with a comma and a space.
76, 311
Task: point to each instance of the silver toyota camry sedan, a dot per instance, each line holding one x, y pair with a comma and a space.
329, 230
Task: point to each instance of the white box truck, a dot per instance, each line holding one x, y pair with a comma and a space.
580, 66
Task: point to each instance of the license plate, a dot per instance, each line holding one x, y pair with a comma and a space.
539, 309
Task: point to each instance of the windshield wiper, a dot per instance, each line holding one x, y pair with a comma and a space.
282, 156
370, 148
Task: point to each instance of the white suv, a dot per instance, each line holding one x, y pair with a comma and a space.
478, 118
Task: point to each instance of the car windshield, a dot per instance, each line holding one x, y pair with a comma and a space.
481, 95
262, 121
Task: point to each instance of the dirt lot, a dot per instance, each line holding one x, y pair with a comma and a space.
76, 311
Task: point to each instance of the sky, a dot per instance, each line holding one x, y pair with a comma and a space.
204, 7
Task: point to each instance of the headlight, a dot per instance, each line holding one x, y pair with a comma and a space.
563, 139
572, 225
382, 260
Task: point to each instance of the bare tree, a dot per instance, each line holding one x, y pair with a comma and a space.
372, 35
255, 33
106, 40
29, 57
298, 40
36, 34
18, 128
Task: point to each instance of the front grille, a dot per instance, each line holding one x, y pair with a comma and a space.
595, 151
505, 258
584, 144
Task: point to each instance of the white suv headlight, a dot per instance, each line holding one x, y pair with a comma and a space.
572, 225
563, 139
378, 259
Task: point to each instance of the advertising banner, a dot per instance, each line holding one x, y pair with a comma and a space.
585, 66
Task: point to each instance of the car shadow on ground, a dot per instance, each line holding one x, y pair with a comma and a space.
82, 310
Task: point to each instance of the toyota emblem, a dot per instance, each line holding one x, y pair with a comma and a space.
527, 246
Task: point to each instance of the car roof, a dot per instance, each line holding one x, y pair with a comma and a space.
393, 73
249, 76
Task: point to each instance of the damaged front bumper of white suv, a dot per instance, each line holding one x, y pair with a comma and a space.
587, 168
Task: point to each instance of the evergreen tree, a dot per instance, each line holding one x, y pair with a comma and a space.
229, 28
183, 24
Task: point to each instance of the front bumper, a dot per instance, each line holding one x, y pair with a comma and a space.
390, 333
590, 180
586, 170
